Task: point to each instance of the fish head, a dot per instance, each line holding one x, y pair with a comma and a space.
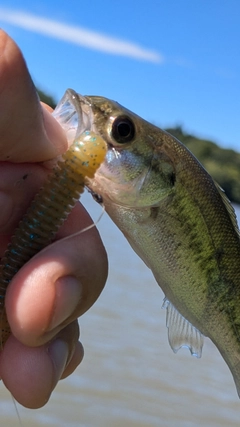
138, 170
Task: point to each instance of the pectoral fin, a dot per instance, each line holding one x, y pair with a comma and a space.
182, 333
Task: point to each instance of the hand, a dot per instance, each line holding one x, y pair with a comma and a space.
60, 283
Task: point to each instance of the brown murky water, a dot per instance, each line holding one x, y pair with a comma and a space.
129, 376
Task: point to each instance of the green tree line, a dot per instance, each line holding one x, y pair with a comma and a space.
48, 99
222, 164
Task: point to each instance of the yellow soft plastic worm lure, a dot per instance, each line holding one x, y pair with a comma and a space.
51, 206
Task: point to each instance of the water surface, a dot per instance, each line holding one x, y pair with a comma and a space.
130, 376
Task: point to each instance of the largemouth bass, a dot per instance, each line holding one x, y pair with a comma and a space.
178, 220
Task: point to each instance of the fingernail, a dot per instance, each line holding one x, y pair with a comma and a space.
58, 352
54, 132
68, 295
6, 205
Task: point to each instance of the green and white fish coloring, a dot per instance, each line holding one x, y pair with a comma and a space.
178, 220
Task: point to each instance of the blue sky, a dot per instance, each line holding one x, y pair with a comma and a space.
173, 62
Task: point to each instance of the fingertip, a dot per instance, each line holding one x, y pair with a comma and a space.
28, 373
9, 48
28, 309
58, 285
58, 352
74, 361
27, 134
68, 292
54, 131
31, 373
39, 303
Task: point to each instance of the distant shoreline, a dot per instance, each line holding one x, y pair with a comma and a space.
221, 163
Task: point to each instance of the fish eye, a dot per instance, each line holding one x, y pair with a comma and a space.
123, 129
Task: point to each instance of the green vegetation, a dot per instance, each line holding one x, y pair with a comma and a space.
46, 98
222, 164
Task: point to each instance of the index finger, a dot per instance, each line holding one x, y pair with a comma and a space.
28, 132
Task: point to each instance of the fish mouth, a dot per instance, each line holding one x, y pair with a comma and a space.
74, 113
122, 178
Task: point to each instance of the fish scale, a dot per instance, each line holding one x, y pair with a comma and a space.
177, 219
191, 239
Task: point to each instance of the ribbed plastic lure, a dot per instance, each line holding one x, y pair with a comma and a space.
54, 202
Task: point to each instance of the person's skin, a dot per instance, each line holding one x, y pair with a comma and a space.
60, 283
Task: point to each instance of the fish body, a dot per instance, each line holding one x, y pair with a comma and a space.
179, 221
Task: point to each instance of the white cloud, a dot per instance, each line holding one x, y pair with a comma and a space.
78, 35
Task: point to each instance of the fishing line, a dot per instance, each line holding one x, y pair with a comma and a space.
51, 206
47, 213
62, 240
17, 411
49, 209
89, 227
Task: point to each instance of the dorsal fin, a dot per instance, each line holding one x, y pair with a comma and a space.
181, 333
229, 207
